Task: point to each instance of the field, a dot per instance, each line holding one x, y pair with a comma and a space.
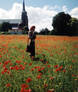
55, 70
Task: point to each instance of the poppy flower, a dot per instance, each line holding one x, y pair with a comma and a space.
24, 86
17, 61
55, 66
39, 77
8, 85
28, 80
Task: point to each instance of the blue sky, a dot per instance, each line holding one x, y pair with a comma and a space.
7, 4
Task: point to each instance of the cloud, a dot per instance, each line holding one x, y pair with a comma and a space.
40, 17
64, 8
74, 12
13, 13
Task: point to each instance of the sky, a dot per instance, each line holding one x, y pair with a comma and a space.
40, 12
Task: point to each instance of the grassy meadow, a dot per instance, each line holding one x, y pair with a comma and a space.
55, 70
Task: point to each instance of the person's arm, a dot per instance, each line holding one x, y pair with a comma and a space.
29, 38
34, 36
30, 35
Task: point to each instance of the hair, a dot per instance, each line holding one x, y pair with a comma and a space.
32, 27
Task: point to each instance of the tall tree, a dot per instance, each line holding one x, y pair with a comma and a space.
61, 23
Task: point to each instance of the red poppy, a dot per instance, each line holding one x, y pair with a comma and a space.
0, 63
0, 56
8, 85
8, 72
11, 68
24, 86
25, 63
32, 69
39, 70
6, 62
16, 67
28, 80
30, 64
51, 78
48, 66
37, 67
45, 85
58, 69
17, 61
55, 66
40, 74
2, 72
11, 64
22, 90
64, 70
25, 90
39, 77
21, 67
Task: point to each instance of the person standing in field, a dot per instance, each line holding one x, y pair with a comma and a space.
31, 42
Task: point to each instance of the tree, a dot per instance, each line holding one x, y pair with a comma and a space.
0, 27
61, 23
44, 31
6, 26
74, 26
25, 30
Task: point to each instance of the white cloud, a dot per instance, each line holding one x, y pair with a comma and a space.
40, 17
13, 13
64, 8
74, 12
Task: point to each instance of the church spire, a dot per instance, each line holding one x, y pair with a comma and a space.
23, 5
24, 17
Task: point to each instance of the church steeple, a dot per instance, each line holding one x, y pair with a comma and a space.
23, 5
24, 17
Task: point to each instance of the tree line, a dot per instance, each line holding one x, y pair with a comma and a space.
62, 23
5, 26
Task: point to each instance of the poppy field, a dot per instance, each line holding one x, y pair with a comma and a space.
55, 68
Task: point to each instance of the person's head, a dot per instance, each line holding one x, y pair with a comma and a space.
32, 28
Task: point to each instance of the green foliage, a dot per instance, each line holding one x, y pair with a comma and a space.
61, 23
25, 30
64, 24
0, 27
44, 32
55, 70
5, 26
74, 26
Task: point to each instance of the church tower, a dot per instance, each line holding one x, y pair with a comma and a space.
24, 17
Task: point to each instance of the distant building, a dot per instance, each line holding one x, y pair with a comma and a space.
18, 24
13, 22
24, 17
